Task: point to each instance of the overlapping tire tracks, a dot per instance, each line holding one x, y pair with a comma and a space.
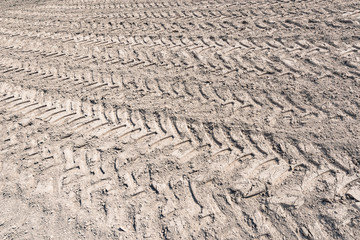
100, 111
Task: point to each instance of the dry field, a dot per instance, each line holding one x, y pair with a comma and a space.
186, 119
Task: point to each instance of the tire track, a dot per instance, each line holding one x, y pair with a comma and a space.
247, 128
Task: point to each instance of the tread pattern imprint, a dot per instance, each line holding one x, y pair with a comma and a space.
186, 119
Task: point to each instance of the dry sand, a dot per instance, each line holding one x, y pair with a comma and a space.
183, 119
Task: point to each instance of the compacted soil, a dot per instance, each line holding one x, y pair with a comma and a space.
187, 119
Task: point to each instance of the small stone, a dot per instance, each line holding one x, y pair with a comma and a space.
304, 231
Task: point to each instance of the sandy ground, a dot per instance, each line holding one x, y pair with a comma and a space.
179, 119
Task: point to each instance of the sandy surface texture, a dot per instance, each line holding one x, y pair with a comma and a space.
152, 119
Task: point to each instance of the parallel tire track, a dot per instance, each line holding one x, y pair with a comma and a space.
200, 119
